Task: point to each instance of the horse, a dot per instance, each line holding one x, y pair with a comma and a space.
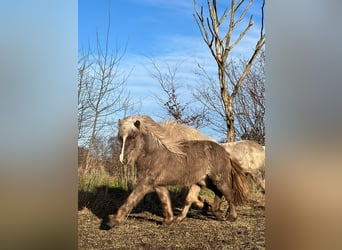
251, 156
248, 154
162, 161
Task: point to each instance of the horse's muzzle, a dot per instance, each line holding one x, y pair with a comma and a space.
122, 159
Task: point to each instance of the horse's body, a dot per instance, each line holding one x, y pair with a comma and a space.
162, 161
248, 154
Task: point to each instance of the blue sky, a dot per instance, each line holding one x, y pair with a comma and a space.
162, 29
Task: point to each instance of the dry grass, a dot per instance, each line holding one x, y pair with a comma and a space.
143, 229
101, 195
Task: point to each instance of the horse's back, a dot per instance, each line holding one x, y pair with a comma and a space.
249, 154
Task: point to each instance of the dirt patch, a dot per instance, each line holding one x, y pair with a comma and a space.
143, 228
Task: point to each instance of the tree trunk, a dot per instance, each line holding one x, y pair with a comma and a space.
230, 120
228, 104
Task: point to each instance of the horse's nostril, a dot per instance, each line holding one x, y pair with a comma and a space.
124, 161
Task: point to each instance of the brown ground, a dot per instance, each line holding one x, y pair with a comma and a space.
143, 228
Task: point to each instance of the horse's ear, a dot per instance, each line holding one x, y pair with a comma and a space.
137, 124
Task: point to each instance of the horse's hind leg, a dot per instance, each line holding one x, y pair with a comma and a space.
228, 194
164, 197
220, 189
192, 197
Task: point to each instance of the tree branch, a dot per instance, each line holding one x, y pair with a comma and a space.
243, 33
258, 47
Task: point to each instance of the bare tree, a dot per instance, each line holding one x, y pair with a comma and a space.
250, 100
220, 48
209, 96
177, 109
102, 94
107, 88
84, 112
249, 103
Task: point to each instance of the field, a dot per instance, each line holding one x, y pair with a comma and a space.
143, 228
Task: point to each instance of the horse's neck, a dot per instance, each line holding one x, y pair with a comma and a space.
149, 151
150, 143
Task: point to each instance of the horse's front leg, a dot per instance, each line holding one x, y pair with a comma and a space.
164, 197
137, 194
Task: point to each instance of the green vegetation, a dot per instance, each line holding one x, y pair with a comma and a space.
89, 182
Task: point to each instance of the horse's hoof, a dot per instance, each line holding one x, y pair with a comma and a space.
232, 219
106, 224
179, 219
222, 218
219, 216
110, 222
168, 221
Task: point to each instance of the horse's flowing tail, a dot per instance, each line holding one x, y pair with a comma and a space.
239, 183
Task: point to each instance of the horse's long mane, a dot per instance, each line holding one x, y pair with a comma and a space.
158, 133
181, 132
168, 135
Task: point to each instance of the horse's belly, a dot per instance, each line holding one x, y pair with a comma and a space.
182, 177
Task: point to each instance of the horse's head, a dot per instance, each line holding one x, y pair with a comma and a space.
141, 133
132, 141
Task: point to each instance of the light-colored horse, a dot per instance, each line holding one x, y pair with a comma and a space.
162, 161
251, 157
248, 154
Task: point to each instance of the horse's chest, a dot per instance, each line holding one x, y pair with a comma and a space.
147, 166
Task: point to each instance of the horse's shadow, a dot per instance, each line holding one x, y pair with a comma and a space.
102, 200
105, 201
